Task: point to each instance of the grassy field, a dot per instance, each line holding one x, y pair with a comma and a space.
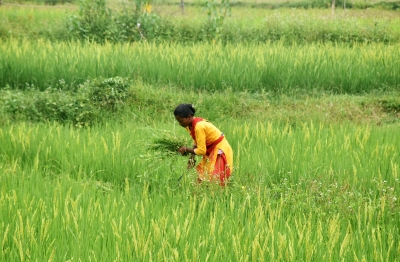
314, 128
315, 178
273, 67
241, 24
298, 193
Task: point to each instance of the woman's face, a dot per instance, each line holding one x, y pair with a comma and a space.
184, 121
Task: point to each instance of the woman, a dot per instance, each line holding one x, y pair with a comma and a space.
217, 162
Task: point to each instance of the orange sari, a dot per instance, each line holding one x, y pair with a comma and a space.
217, 162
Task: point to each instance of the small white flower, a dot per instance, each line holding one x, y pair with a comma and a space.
138, 24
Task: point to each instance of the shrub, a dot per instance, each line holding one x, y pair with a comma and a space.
109, 94
98, 23
90, 103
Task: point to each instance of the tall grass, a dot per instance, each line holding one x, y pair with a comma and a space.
302, 193
271, 67
284, 151
247, 23
33, 23
330, 152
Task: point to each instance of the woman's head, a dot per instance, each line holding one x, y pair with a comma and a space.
184, 110
184, 114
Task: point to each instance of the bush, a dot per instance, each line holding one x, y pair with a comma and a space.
97, 23
50, 105
92, 22
55, 2
108, 94
89, 103
388, 5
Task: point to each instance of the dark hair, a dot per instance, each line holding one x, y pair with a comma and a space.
184, 110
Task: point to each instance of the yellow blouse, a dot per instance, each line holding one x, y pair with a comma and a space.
206, 133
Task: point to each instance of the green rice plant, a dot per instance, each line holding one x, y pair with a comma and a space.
273, 67
299, 192
167, 143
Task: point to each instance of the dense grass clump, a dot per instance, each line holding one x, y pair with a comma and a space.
90, 102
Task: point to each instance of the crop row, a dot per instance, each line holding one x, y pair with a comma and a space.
273, 67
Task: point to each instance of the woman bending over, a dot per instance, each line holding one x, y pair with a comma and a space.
209, 142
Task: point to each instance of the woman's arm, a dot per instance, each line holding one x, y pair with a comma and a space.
201, 147
184, 150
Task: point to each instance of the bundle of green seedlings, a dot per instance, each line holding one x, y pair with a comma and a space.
167, 143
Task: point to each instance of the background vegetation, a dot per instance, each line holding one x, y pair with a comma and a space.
272, 67
95, 20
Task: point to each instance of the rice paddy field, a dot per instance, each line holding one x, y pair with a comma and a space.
337, 68
314, 128
300, 193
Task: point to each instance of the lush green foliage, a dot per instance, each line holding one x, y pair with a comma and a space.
87, 131
91, 102
96, 103
308, 192
272, 67
97, 22
40, 2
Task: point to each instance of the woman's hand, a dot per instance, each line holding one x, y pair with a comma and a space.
183, 150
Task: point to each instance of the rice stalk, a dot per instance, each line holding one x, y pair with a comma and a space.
167, 144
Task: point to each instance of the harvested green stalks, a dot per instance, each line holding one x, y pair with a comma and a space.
168, 143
